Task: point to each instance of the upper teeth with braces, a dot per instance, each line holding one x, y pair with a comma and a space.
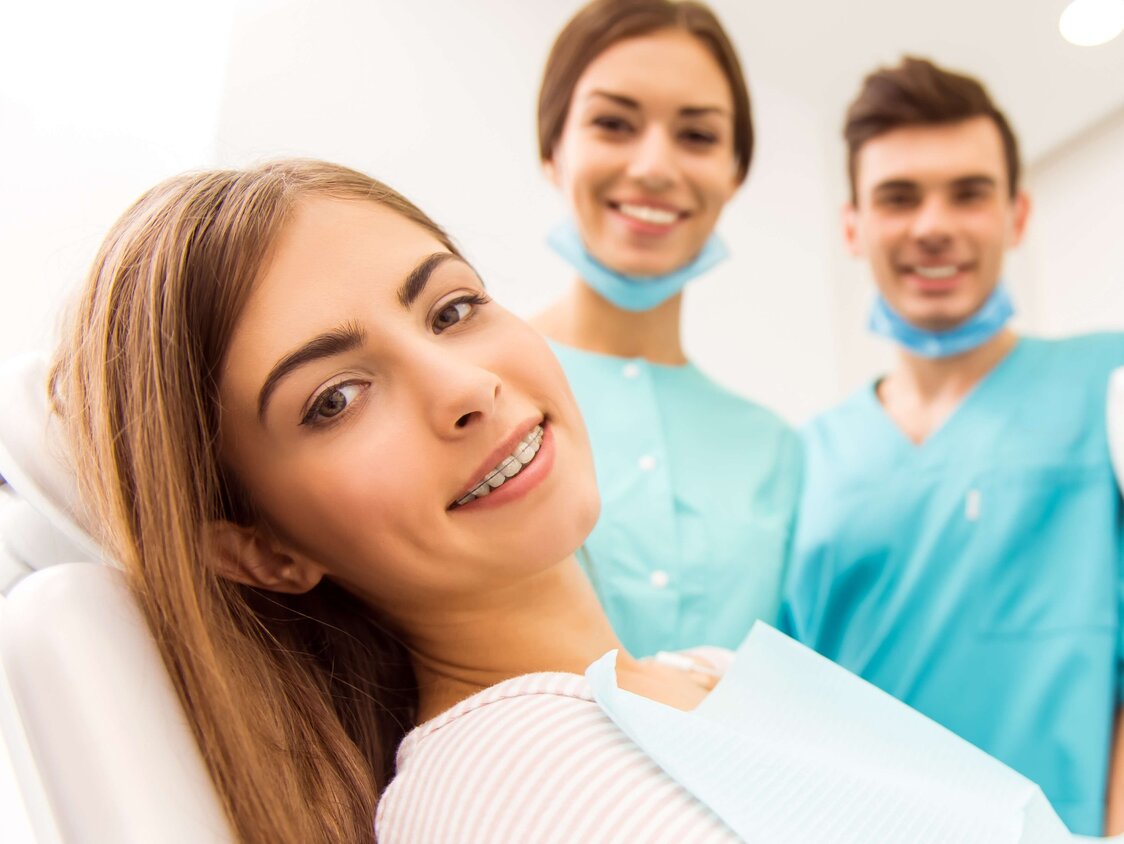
509, 467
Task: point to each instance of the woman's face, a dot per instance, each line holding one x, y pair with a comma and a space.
371, 388
646, 157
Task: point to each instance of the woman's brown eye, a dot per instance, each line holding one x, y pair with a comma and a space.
450, 315
331, 403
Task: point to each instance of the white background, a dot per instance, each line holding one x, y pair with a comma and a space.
437, 97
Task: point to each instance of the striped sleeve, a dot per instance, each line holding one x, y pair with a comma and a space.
535, 759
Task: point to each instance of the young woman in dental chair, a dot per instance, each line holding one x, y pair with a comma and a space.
346, 489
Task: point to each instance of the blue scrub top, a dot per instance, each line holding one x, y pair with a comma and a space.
977, 576
699, 489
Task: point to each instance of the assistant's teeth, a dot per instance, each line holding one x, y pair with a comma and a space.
509, 467
936, 272
648, 214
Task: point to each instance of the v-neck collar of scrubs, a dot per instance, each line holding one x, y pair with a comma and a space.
961, 415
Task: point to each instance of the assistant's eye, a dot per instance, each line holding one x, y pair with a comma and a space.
698, 137
331, 403
459, 310
612, 125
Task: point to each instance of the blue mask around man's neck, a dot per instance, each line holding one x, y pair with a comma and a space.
631, 293
970, 334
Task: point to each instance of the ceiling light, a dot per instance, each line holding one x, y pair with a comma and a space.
1088, 23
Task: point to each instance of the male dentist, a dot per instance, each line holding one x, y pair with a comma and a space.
962, 534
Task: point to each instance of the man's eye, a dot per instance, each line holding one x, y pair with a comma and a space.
970, 195
897, 200
457, 311
331, 403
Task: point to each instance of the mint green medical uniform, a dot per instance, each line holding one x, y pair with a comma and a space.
699, 489
977, 576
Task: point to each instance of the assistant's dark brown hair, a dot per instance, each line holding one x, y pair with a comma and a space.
918, 92
601, 24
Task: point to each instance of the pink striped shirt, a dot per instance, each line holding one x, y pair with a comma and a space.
534, 759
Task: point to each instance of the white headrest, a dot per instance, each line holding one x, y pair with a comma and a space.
47, 525
1116, 423
114, 752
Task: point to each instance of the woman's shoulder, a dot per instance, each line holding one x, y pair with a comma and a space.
523, 760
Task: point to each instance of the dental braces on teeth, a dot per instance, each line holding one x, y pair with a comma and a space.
509, 467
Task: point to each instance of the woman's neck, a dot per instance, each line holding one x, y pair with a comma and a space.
585, 320
551, 622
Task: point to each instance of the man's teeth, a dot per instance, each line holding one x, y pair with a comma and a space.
936, 272
509, 467
648, 214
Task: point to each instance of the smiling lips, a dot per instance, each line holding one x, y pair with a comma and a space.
937, 273
648, 213
522, 455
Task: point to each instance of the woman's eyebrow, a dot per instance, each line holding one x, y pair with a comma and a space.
330, 343
415, 282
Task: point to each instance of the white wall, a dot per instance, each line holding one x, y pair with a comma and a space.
98, 101
1076, 243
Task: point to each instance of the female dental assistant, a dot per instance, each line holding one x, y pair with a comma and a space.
644, 126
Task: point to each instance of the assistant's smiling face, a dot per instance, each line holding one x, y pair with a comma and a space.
646, 158
371, 385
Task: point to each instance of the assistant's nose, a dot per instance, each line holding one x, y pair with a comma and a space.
932, 224
653, 164
456, 392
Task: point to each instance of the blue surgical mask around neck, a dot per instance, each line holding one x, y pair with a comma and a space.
970, 334
631, 293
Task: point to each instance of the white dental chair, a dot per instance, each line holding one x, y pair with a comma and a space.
1116, 423
94, 746
41, 521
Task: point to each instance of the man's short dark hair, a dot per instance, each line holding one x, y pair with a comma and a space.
918, 93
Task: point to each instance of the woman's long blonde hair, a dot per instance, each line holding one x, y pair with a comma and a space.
297, 702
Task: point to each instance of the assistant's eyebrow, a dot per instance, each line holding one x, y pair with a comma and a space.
330, 343
685, 111
415, 282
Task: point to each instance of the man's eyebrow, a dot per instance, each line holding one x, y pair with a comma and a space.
415, 282
976, 181
895, 184
330, 343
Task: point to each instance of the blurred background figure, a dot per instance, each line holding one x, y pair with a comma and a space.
961, 527
645, 129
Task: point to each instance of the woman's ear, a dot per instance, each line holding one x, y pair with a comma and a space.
246, 555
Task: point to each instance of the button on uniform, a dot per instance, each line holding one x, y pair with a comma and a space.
630, 370
659, 579
647, 463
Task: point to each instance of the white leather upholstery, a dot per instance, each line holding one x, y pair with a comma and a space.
111, 746
26, 815
41, 520
1116, 423
91, 729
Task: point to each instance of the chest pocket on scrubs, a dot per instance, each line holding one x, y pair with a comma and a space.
1043, 537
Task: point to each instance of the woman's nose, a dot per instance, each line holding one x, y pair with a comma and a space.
457, 392
653, 162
